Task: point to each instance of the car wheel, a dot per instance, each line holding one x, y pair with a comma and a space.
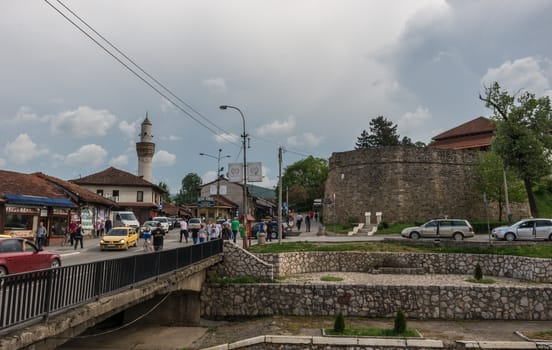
3, 271
510, 237
550, 237
458, 236
55, 263
126, 246
415, 235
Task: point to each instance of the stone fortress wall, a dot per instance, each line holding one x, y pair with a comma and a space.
406, 184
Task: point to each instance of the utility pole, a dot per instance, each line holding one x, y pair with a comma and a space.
280, 222
508, 212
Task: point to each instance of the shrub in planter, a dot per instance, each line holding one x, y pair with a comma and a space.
478, 273
400, 322
339, 324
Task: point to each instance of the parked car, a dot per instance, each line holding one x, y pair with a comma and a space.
152, 224
175, 222
525, 229
273, 230
194, 223
119, 238
456, 229
164, 222
20, 255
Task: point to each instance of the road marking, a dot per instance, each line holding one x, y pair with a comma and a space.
69, 254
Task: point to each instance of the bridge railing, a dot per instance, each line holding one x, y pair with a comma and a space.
32, 296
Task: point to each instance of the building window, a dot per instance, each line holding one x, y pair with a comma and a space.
140, 196
99, 192
115, 195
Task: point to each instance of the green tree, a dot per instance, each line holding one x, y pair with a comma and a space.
362, 140
165, 197
523, 138
305, 181
488, 171
382, 133
191, 189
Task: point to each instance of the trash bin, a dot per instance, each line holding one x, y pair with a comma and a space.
261, 238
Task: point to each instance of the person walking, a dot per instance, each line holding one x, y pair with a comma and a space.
79, 236
307, 223
40, 235
184, 230
158, 236
235, 226
299, 218
107, 225
73, 227
202, 234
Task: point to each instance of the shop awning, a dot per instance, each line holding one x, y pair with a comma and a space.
34, 200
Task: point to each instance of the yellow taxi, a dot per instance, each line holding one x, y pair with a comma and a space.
119, 238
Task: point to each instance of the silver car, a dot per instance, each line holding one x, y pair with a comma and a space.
440, 228
529, 229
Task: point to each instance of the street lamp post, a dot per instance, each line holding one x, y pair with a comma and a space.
244, 136
219, 169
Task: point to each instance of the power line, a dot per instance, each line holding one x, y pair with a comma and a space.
162, 94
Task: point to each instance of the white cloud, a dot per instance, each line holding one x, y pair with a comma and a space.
26, 114
166, 105
170, 138
83, 122
412, 120
130, 130
88, 155
525, 74
209, 176
164, 158
278, 127
215, 85
23, 150
223, 138
120, 161
305, 139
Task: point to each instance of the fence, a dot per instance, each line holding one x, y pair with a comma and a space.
34, 295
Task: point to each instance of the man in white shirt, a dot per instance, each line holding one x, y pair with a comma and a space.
183, 229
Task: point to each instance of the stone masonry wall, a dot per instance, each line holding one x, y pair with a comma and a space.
406, 184
419, 302
523, 268
239, 262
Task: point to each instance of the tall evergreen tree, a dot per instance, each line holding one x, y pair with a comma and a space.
362, 140
382, 133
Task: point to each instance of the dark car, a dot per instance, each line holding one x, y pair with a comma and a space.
273, 228
20, 255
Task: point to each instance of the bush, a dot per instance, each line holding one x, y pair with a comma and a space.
339, 324
400, 323
481, 227
478, 273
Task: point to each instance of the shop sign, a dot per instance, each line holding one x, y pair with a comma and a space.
60, 211
204, 202
22, 210
86, 219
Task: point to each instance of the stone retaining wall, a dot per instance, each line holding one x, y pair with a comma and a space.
523, 268
417, 301
239, 262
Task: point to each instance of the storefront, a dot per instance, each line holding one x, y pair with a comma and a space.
22, 215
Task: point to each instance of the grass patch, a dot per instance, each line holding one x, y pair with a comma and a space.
542, 335
234, 280
485, 280
394, 228
339, 228
373, 332
331, 279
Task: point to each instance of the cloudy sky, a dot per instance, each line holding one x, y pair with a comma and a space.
309, 75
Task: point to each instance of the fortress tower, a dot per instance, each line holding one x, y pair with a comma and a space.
145, 150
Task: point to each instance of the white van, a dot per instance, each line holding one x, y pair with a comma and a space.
125, 218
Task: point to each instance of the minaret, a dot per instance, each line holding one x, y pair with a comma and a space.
145, 150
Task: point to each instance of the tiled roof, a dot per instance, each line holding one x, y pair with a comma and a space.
113, 176
81, 193
224, 202
467, 142
479, 125
28, 185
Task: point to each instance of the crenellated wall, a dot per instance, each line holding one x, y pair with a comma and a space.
406, 184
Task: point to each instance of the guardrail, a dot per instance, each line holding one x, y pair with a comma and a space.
36, 295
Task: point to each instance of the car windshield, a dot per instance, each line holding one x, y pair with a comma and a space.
194, 221
519, 223
127, 216
161, 219
117, 232
150, 223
